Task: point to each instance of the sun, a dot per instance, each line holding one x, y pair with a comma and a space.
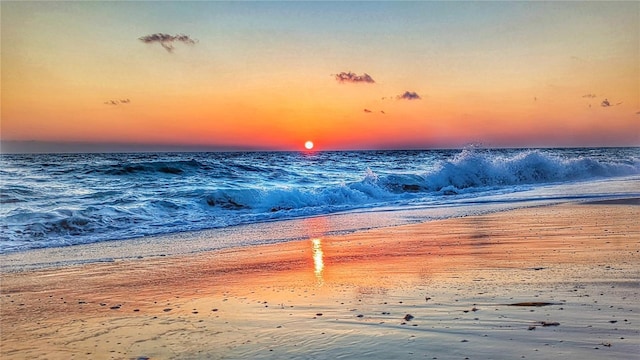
308, 145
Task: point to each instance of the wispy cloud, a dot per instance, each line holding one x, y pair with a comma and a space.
409, 95
117, 102
166, 40
349, 77
368, 111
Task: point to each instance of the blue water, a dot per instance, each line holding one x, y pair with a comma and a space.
52, 200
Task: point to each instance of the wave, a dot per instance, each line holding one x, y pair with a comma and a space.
146, 206
219, 169
15, 194
470, 171
165, 167
476, 169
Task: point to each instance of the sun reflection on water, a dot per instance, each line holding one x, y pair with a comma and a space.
318, 263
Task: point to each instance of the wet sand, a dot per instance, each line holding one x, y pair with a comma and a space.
545, 282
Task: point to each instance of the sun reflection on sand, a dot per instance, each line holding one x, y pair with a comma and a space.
318, 263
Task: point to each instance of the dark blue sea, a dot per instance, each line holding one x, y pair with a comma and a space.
54, 200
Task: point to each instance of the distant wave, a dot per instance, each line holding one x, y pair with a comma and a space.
166, 167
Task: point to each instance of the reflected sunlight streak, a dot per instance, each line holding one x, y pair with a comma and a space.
318, 263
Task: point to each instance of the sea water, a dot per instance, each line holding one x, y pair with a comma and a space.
54, 200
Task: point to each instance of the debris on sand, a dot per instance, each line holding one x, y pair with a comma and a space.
408, 317
552, 323
533, 303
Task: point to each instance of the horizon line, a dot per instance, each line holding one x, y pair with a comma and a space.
17, 147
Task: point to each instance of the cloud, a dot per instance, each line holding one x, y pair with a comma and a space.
606, 103
166, 40
368, 111
354, 78
117, 102
590, 96
409, 95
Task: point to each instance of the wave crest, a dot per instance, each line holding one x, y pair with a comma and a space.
165, 167
474, 169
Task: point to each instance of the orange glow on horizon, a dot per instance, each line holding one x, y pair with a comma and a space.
271, 91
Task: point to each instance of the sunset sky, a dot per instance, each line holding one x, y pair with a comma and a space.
114, 76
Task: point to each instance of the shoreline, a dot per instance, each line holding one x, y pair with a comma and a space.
349, 295
219, 239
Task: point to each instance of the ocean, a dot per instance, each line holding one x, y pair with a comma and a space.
56, 200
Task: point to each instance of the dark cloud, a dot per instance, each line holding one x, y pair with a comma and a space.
117, 102
607, 103
166, 40
368, 111
353, 78
590, 96
409, 95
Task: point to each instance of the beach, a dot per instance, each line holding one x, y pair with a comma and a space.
320, 180
543, 282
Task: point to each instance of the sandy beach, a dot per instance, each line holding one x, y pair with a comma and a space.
547, 282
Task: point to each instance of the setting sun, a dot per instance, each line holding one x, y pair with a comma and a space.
308, 145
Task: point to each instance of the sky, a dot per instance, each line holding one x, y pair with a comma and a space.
121, 76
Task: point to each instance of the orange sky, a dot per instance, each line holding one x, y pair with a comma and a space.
262, 75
